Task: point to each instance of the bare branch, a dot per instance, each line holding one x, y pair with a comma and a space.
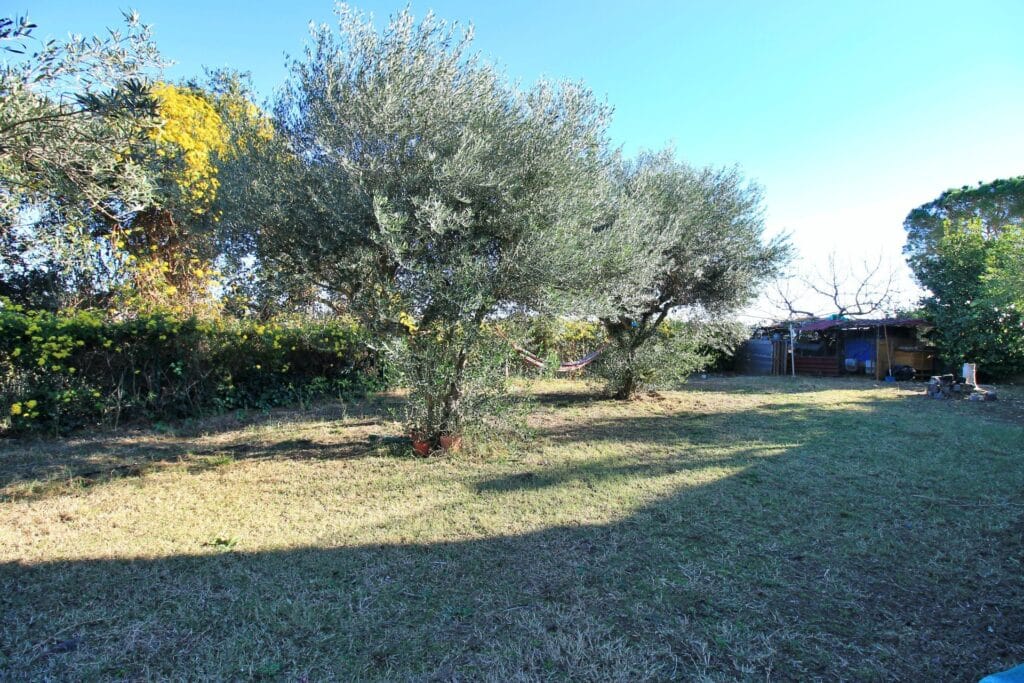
847, 292
787, 301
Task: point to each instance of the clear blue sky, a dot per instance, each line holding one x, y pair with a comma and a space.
849, 113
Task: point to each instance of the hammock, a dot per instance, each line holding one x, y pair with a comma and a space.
537, 362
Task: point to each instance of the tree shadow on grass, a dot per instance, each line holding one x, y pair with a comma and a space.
34, 468
804, 563
801, 384
791, 419
599, 470
566, 399
671, 439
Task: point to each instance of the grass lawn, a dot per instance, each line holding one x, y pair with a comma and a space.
741, 528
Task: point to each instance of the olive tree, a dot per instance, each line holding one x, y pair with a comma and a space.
709, 227
71, 114
428, 192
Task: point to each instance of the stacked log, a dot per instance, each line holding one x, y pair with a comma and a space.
949, 386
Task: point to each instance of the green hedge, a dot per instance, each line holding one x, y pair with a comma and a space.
59, 372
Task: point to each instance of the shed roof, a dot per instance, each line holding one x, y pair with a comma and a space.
821, 325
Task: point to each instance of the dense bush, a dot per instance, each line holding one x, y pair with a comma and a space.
59, 372
676, 350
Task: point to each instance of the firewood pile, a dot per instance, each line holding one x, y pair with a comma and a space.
951, 386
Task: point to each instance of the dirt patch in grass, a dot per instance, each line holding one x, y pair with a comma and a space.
741, 528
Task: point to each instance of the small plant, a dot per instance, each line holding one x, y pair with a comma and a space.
223, 542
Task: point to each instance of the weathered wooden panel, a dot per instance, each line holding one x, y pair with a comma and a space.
923, 360
823, 366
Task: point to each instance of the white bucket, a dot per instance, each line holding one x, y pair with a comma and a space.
971, 373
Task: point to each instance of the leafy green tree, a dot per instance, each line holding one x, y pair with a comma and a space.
1004, 276
709, 228
69, 113
259, 191
428, 193
109, 177
967, 249
992, 205
977, 297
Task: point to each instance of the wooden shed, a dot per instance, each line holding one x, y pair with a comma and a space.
829, 348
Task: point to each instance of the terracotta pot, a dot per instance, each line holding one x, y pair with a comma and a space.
451, 442
420, 445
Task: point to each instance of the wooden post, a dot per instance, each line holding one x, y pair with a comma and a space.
889, 349
878, 366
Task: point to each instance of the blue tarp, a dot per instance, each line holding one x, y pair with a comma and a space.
1014, 675
861, 349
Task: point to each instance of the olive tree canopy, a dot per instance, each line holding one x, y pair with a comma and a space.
429, 193
709, 225
71, 114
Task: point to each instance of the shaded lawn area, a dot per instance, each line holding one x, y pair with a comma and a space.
741, 528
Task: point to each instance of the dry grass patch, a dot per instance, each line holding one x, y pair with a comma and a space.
740, 528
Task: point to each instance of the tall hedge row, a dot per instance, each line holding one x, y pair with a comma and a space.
59, 372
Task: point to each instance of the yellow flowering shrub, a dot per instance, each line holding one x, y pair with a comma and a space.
166, 249
192, 132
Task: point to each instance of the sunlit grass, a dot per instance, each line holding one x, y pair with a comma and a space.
739, 528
